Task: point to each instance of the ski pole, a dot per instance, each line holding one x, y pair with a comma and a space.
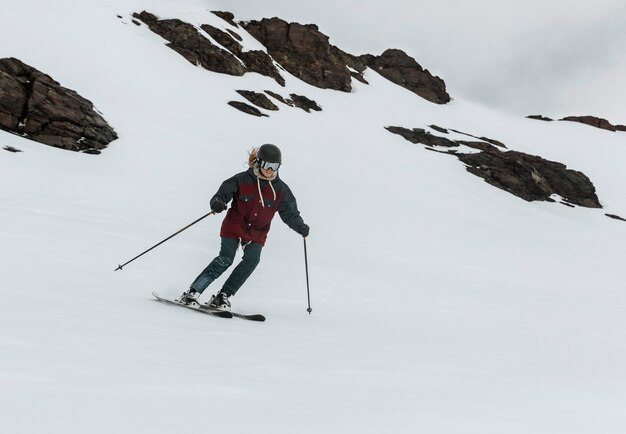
306, 267
171, 236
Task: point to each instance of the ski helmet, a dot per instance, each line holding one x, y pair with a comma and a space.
269, 153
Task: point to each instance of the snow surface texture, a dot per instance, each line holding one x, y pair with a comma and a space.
440, 304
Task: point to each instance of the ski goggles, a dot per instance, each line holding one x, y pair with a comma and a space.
267, 165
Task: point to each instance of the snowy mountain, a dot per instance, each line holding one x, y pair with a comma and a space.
441, 302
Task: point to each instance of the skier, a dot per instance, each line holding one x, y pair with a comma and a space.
256, 195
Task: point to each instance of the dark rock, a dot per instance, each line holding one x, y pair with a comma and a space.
306, 53
223, 38
527, 176
478, 145
91, 151
591, 120
261, 63
304, 103
540, 118
620, 127
135, 22
198, 50
246, 108
234, 35
256, 61
418, 135
616, 217
531, 177
493, 142
436, 128
279, 98
401, 69
11, 149
258, 99
188, 42
485, 139
226, 16
33, 105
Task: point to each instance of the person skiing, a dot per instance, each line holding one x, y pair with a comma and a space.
256, 194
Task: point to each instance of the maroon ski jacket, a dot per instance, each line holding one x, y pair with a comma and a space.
255, 201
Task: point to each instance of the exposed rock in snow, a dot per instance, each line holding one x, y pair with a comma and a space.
616, 217
226, 16
302, 50
540, 118
402, 69
527, 176
255, 60
418, 135
260, 62
189, 43
33, 105
279, 98
223, 38
595, 122
247, 108
531, 177
185, 39
258, 99
305, 103
306, 53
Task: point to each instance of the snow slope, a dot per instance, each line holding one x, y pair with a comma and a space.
440, 304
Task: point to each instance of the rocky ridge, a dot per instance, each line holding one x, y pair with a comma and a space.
593, 121
35, 106
300, 49
529, 177
400, 68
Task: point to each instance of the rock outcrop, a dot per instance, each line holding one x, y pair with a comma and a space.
226, 16
531, 177
186, 40
419, 135
403, 70
527, 176
306, 53
255, 60
595, 122
615, 217
300, 49
540, 118
258, 99
35, 106
304, 103
279, 97
223, 38
247, 108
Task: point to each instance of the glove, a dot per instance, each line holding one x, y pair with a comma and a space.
218, 205
304, 230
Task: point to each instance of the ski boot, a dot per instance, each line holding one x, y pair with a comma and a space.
219, 301
190, 298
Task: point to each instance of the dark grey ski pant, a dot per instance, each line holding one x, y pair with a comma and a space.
243, 270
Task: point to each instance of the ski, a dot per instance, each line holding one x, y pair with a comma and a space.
218, 313
249, 317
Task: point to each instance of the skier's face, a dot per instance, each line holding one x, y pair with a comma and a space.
267, 172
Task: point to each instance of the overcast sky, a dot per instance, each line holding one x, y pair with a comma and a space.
551, 57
